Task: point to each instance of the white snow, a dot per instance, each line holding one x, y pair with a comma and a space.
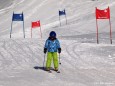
84, 62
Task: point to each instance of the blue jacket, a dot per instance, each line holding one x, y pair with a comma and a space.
52, 46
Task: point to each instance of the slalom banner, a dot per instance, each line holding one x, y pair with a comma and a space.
36, 24
17, 17
61, 13
103, 14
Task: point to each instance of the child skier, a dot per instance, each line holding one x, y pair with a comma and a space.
52, 46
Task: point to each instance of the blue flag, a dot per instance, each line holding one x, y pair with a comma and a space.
62, 13
18, 17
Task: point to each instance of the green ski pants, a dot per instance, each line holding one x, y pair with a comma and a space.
50, 56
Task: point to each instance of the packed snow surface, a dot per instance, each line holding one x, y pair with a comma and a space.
83, 61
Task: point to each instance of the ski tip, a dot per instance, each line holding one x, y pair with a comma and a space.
58, 71
49, 71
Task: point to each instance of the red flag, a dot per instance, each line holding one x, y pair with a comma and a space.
35, 24
103, 14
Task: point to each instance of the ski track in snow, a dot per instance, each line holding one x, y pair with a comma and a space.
79, 66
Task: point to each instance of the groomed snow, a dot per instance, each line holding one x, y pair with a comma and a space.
84, 62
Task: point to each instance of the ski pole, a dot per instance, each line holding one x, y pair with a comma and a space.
59, 59
44, 61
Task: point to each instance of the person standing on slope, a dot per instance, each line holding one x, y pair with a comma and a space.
52, 46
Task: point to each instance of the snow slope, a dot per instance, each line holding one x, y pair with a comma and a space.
84, 63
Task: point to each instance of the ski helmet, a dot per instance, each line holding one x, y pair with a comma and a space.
53, 34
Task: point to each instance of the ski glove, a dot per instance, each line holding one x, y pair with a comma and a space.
45, 50
59, 50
